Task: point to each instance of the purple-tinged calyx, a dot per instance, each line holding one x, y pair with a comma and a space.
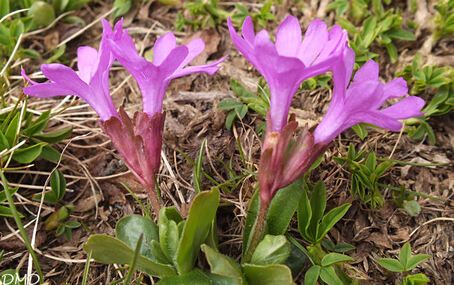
139, 142
362, 100
285, 157
91, 83
288, 62
169, 62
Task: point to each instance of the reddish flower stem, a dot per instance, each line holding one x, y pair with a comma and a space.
153, 196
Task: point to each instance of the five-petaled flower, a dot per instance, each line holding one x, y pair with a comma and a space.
360, 102
91, 84
139, 140
285, 65
169, 62
291, 60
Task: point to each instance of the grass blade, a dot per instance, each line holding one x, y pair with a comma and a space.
20, 226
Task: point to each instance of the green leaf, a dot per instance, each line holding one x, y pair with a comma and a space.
253, 101
3, 194
332, 258
223, 265
318, 206
330, 219
371, 162
129, 229
51, 154
415, 260
304, 215
343, 247
401, 34
201, 214
4, 144
416, 279
268, 274
411, 207
60, 51
391, 264
42, 13
392, 51
75, 4
296, 259
4, 8
58, 184
59, 5
72, 224
169, 234
194, 277
229, 104
6, 212
109, 250
358, 10
360, 130
312, 275
37, 125
229, 120
157, 253
134, 261
251, 217
271, 250
29, 154
198, 169
282, 208
328, 275
340, 5
55, 136
11, 131
368, 33
122, 7
383, 167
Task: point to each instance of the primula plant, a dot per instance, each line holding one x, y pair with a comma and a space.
285, 64
180, 246
139, 140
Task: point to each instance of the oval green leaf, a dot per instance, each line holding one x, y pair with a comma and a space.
109, 250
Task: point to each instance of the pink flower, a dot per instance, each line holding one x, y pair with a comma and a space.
169, 62
291, 60
362, 100
91, 84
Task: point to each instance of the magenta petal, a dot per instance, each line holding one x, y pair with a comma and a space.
247, 30
65, 76
375, 118
162, 47
87, 62
369, 71
24, 74
364, 95
245, 47
408, 107
288, 37
45, 90
396, 88
195, 47
173, 61
361, 101
291, 60
207, 68
334, 47
314, 40
342, 72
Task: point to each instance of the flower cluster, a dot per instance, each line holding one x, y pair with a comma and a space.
139, 140
285, 64
289, 61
